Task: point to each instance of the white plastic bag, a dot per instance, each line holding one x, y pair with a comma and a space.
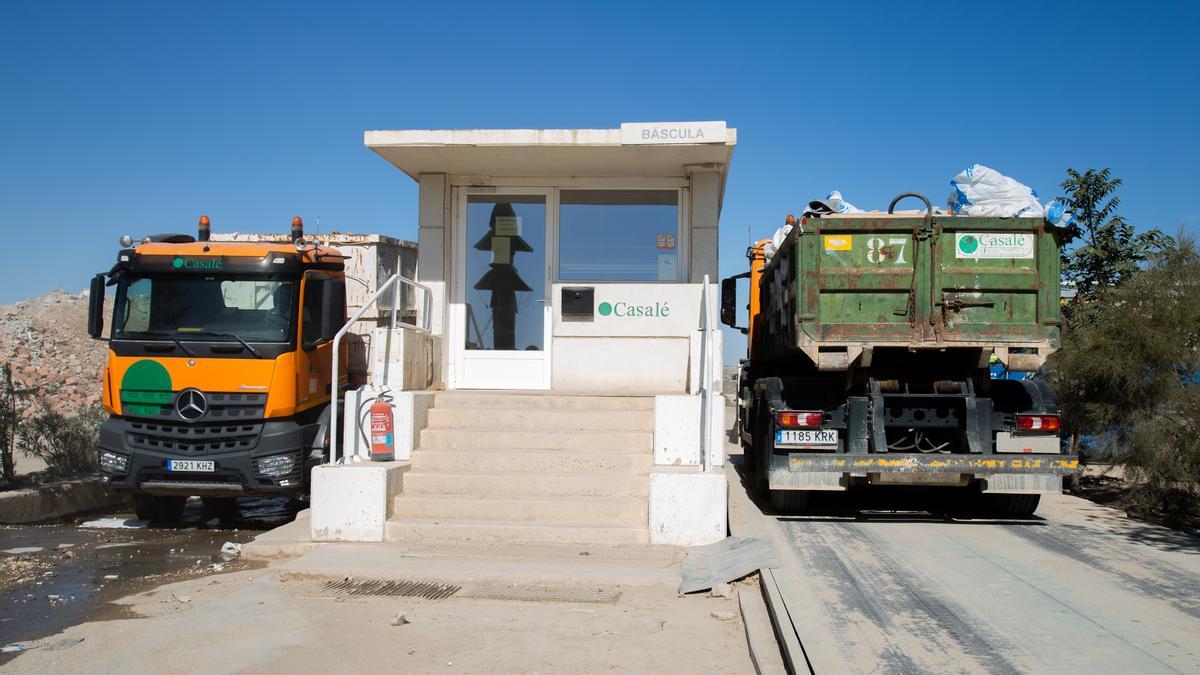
832, 204
981, 191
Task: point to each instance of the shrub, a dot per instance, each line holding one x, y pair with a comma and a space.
1132, 373
67, 443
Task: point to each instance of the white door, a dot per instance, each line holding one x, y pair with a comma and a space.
502, 245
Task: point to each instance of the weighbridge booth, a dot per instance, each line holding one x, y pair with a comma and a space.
566, 259
565, 309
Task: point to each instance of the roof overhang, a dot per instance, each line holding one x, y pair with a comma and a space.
554, 153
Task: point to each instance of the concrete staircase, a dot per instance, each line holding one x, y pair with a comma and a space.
527, 467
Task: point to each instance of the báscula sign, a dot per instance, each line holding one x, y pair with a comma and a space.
980, 245
644, 133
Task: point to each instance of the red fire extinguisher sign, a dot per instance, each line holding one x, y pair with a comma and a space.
383, 447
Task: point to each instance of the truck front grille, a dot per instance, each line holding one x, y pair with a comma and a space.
194, 439
229, 407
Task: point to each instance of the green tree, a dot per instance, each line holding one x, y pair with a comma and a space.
1131, 373
10, 421
1108, 250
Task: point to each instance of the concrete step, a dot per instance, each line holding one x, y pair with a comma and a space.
593, 441
540, 462
525, 484
412, 530
523, 510
515, 401
493, 419
509, 563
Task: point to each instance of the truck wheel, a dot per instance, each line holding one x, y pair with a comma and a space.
789, 501
1010, 506
223, 508
158, 509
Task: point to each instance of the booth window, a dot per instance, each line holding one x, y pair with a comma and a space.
618, 235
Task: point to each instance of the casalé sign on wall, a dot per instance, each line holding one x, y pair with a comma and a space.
619, 309
635, 310
643, 133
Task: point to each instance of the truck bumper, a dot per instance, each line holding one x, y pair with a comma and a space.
997, 473
236, 472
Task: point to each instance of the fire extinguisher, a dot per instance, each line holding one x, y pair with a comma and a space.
383, 445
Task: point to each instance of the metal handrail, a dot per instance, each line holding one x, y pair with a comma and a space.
337, 339
706, 372
472, 321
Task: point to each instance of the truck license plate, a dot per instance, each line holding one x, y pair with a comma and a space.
193, 465
813, 438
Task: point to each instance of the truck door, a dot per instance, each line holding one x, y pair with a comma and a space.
867, 276
322, 314
987, 279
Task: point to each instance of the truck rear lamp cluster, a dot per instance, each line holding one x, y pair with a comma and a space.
1046, 423
111, 462
275, 466
799, 420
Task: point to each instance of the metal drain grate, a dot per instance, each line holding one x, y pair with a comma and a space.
392, 589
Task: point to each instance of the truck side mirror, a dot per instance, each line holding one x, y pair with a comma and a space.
729, 302
95, 324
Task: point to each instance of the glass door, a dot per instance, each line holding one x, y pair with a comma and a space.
504, 291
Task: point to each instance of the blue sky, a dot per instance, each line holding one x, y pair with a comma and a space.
137, 117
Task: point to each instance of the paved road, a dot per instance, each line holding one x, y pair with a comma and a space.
1078, 588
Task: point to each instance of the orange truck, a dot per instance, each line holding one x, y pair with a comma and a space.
218, 379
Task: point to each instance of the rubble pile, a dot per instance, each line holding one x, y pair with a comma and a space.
45, 341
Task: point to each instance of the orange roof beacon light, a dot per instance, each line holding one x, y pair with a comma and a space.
205, 228
297, 228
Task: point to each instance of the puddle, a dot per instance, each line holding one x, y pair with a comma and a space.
56, 576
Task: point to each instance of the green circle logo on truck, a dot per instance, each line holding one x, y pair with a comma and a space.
178, 263
605, 309
145, 388
968, 244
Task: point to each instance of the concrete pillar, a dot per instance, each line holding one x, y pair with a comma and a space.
433, 240
705, 213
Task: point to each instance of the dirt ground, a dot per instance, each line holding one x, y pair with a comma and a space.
256, 622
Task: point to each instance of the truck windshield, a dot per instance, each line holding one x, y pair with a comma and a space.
218, 308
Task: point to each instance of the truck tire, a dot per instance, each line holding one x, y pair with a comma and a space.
158, 509
1010, 506
223, 508
759, 463
790, 501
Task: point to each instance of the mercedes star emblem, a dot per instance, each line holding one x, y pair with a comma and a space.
191, 405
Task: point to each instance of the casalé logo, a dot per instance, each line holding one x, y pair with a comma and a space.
627, 309
968, 244
197, 263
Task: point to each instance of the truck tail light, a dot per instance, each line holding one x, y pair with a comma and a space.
799, 420
1038, 423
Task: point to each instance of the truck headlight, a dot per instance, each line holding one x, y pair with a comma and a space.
111, 462
275, 466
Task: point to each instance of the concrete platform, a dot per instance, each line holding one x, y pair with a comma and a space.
457, 562
286, 541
